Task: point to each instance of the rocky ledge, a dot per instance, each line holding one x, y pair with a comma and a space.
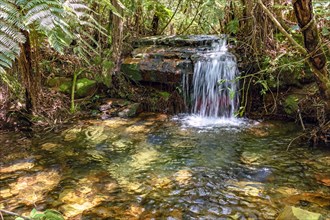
164, 59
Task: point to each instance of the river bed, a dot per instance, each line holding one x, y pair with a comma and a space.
156, 167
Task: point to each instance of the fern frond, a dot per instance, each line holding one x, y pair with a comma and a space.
6, 60
39, 16
2, 72
5, 64
8, 42
12, 32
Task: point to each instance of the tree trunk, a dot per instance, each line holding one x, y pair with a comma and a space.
305, 17
117, 26
155, 24
30, 79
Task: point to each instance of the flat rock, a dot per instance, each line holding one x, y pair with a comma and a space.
294, 213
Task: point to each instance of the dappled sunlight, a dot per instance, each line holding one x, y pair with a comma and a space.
30, 189
153, 169
86, 194
16, 167
144, 158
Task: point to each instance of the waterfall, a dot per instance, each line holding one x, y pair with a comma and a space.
215, 87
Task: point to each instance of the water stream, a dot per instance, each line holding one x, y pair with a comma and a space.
207, 165
215, 87
154, 167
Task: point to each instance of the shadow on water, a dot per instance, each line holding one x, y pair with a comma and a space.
155, 168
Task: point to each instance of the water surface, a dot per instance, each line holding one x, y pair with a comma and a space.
154, 167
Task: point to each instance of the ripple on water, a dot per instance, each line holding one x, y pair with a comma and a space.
180, 169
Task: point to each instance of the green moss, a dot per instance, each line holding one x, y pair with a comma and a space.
66, 87
132, 70
165, 95
84, 87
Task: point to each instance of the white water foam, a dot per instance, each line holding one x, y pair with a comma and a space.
214, 89
201, 122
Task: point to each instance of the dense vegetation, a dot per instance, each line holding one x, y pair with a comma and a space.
281, 46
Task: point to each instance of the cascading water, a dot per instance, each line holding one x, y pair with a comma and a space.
214, 92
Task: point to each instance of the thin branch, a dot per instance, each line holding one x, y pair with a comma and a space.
176, 10
294, 139
281, 29
194, 18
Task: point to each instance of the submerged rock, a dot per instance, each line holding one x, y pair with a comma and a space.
86, 194
16, 167
144, 158
183, 177
318, 199
323, 178
31, 189
254, 189
119, 107
250, 158
71, 134
95, 134
294, 213
50, 146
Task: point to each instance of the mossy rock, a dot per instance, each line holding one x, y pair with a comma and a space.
132, 69
84, 87
65, 87
57, 81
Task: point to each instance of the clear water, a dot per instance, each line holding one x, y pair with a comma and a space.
215, 87
157, 168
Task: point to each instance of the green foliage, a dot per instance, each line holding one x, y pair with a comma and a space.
162, 12
164, 95
12, 81
11, 24
291, 104
325, 31
46, 215
233, 26
264, 86
58, 21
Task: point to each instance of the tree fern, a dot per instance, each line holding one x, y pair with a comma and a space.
10, 33
48, 17
81, 17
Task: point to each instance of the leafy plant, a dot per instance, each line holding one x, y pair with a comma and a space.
291, 104
233, 26
53, 19
45, 215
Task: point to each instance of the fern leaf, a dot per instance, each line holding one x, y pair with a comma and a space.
5, 64
8, 42
13, 33
6, 59
38, 16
